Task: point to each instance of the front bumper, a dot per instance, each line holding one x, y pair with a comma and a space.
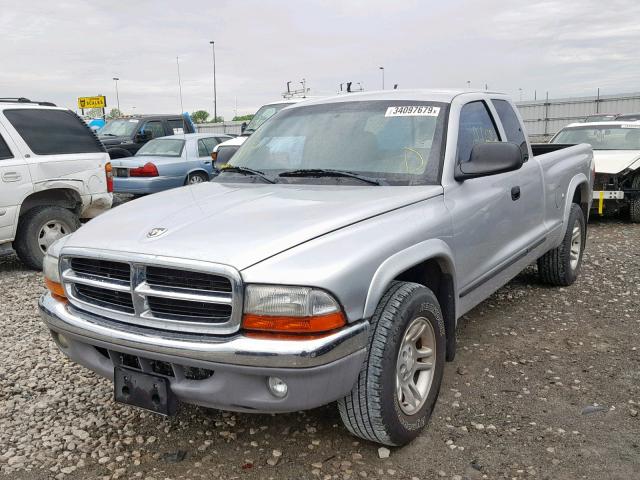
317, 371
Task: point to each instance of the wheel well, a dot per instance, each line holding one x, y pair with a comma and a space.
581, 197
55, 197
198, 171
432, 275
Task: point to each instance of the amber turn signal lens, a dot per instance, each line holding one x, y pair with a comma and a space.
56, 289
214, 156
317, 324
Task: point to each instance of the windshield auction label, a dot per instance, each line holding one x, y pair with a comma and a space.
412, 111
631, 126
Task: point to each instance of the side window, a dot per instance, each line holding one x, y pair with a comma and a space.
511, 125
476, 126
156, 129
52, 132
5, 153
176, 126
205, 146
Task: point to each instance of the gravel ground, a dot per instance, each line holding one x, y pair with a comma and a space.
546, 384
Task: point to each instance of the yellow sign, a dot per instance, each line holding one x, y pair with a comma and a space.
92, 102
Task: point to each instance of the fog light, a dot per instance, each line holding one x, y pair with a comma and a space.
61, 340
278, 387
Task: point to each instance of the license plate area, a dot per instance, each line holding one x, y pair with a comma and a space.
608, 195
144, 390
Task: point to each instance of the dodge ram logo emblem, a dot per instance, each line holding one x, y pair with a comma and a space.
155, 232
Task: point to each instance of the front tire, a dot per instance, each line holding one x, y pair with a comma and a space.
38, 229
561, 266
399, 382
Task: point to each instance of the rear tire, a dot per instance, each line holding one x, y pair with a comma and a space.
195, 178
407, 344
38, 229
634, 204
561, 266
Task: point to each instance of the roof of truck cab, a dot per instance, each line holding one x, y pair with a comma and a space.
419, 95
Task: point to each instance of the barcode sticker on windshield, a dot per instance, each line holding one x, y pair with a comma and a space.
637, 125
412, 111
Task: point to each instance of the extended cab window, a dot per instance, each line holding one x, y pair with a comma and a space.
177, 126
511, 125
476, 126
4, 150
52, 132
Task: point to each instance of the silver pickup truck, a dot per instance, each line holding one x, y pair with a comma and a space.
329, 261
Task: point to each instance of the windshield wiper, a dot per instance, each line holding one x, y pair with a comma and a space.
247, 171
108, 134
328, 172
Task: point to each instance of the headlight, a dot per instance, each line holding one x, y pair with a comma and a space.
290, 309
51, 270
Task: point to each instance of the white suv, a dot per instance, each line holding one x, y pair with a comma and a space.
53, 172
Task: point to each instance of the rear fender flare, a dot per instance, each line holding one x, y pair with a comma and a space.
578, 181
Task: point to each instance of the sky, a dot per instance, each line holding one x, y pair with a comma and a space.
58, 51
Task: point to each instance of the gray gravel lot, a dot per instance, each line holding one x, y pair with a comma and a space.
546, 385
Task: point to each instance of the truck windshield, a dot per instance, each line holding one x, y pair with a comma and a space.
264, 114
162, 147
119, 128
602, 137
396, 142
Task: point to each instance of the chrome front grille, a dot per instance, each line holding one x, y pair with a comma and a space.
161, 293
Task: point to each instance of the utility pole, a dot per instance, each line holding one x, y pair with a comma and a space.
382, 68
180, 86
215, 99
115, 79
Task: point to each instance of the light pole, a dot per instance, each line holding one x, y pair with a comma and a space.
382, 68
115, 79
468, 83
215, 101
520, 90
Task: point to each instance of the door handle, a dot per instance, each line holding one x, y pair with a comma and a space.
11, 177
515, 193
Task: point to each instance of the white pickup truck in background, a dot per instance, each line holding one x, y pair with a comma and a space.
53, 172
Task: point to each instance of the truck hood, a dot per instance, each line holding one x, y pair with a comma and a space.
239, 224
615, 161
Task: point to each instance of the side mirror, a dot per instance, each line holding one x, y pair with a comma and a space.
489, 159
143, 136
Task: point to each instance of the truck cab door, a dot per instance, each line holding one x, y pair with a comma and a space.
486, 211
15, 185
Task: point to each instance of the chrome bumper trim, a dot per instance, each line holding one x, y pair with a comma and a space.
238, 349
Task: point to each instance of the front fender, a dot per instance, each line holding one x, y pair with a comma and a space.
402, 261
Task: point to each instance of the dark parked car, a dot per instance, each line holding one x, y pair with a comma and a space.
123, 137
